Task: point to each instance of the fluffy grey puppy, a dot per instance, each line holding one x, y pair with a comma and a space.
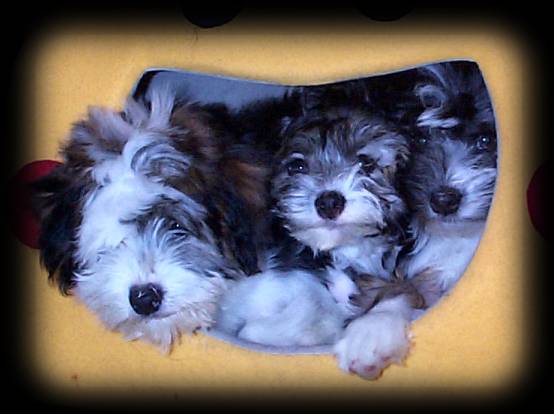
125, 226
449, 188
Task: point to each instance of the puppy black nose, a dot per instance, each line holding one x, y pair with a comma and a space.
145, 299
446, 201
330, 204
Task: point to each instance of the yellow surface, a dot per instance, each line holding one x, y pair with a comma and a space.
474, 340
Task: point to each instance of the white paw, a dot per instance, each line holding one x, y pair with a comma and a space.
342, 288
373, 342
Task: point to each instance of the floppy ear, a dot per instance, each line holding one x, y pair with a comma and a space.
233, 227
57, 203
225, 176
235, 186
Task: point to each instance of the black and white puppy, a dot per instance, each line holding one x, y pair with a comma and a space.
448, 187
451, 182
333, 187
334, 182
138, 222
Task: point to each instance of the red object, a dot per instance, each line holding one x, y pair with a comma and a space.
536, 200
23, 222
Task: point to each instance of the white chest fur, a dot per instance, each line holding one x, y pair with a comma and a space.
371, 256
447, 248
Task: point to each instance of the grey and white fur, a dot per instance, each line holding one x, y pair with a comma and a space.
124, 224
335, 189
449, 188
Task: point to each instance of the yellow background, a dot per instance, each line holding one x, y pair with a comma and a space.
475, 339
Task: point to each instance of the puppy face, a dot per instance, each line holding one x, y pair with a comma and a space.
135, 247
148, 265
334, 181
454, 164
451, 181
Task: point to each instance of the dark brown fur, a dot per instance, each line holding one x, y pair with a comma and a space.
374, 290
233, 189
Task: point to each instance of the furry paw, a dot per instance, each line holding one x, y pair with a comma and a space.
373, 342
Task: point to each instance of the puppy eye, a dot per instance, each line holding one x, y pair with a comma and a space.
483, 143
379, 231
373, 235
297, 166
175, 226
420, 142
366, 163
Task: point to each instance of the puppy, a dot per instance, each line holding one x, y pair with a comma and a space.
448, 187
136, 222
451, 181
334, 183
333, 188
